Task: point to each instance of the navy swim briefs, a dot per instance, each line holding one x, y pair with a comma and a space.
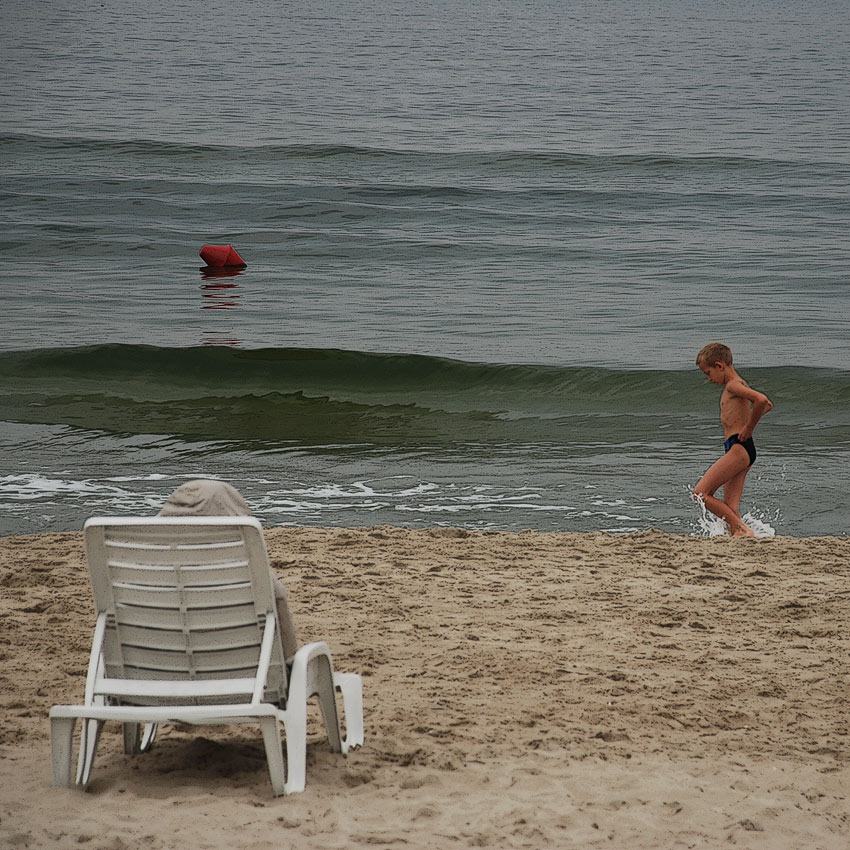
748, 444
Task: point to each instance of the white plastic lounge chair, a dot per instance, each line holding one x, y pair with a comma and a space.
186, 633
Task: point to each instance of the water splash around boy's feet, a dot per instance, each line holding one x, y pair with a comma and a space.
741, 408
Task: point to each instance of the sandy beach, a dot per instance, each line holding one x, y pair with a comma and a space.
521, 690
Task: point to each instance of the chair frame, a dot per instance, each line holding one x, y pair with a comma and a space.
272, 697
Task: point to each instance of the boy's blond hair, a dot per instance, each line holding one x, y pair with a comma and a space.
714, 352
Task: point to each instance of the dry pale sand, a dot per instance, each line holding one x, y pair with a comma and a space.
522, 690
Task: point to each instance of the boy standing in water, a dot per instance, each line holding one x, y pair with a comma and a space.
741, 407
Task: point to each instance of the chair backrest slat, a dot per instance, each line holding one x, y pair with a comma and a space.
190, 664
161, 575
183, 597
226, 617
194, 640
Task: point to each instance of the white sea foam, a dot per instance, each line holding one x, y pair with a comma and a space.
708, 525
759, 525
35, 486
126, 479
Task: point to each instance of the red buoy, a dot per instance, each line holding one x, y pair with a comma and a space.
221, 255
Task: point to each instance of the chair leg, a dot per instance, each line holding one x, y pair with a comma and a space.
137, 738
131, 738
274, 754
296, 746
61, 736
351, 686
89, 736
148, 736
327, 702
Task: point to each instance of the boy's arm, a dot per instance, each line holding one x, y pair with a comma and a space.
761, 405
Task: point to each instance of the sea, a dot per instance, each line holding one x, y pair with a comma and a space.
485, 240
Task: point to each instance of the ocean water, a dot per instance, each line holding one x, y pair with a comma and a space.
485, 241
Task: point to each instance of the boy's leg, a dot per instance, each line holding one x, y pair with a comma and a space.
734, 489
728, 468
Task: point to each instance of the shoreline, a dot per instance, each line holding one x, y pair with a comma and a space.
526, 688
461, 533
